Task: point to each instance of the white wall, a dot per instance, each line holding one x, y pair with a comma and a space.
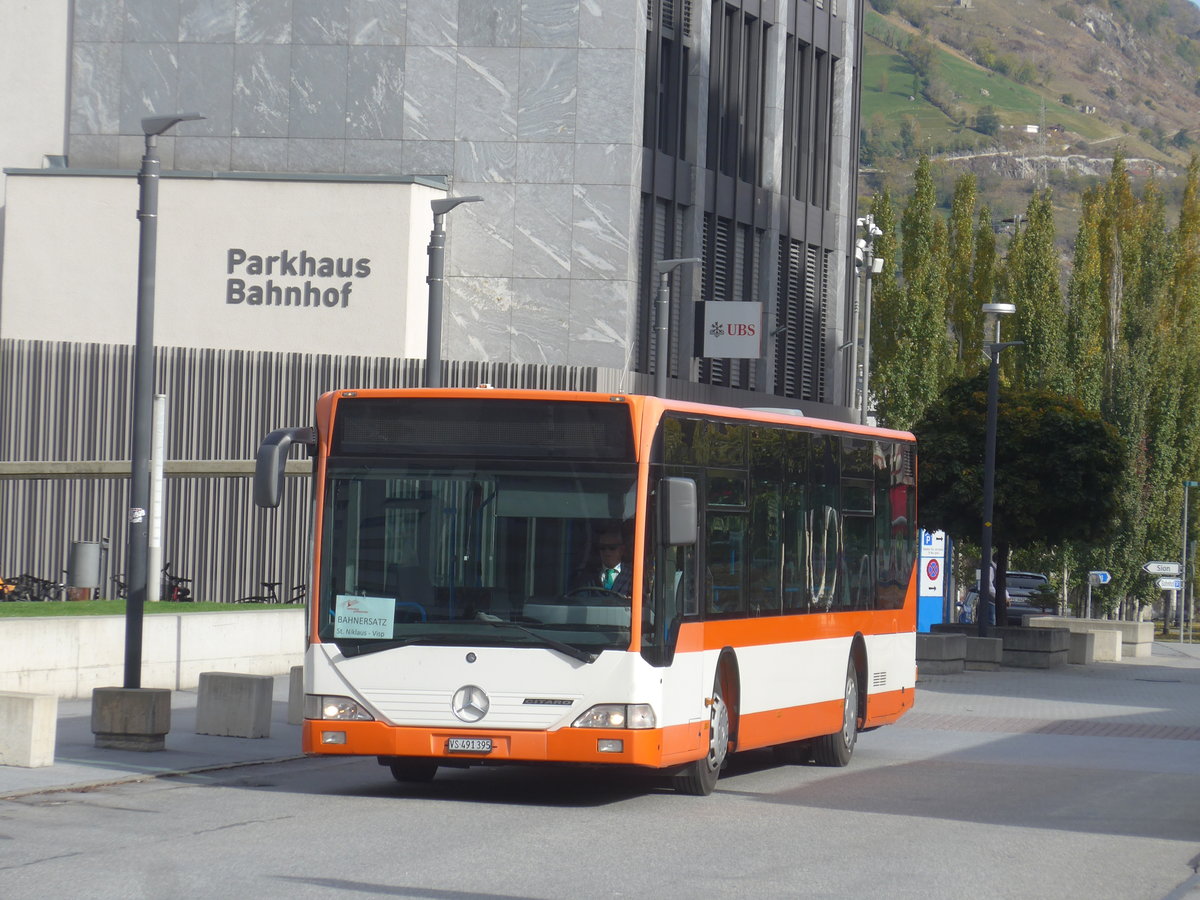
70, 655
33, 80
71, 262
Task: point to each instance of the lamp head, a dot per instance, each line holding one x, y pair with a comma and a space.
991, 319
156, 125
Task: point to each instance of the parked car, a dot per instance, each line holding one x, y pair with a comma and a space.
1024, 598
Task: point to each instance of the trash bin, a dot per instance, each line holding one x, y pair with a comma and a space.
83, 569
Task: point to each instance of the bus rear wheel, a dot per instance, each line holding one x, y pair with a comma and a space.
700, 777
413, 770
837, 748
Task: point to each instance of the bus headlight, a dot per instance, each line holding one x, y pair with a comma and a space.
617, 715
323, 706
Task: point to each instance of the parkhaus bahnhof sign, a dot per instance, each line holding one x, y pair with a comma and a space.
275, 279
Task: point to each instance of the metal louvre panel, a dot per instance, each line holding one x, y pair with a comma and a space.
433, 708
813, 335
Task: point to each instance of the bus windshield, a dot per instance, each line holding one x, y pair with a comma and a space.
493, 552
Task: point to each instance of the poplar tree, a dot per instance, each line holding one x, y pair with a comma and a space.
962, 309
1086, 310
1033, 285
919, 358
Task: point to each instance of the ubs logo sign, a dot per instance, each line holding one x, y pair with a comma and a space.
275, 279
731, 330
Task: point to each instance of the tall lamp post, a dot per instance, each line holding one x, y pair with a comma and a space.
137, 547
662, 321
1183, 558
992, 347
872, 266
436, 280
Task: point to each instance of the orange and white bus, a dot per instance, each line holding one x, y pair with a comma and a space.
766, 598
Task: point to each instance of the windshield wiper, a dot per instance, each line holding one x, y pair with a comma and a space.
560, 646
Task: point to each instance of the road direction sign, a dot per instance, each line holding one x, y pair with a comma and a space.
1170, 584
1162, 568
1099, 577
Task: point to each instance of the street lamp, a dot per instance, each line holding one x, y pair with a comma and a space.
872, 266
992, 347
662, 321
436, 280
137, 547
1184, 558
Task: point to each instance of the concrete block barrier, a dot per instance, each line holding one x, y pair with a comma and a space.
230, 704
983, 654
1136, 638
28, 728
940, 654
1083, 648
1034, 648
295, 715
131, 718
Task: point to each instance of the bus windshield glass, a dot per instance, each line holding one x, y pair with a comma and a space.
473, 552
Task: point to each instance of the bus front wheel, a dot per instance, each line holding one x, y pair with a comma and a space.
700, 777
837, 748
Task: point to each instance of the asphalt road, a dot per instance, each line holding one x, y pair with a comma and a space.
1073, 783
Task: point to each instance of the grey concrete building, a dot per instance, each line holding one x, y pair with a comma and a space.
602, 135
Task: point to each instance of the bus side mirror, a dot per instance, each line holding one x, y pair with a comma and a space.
271, 460
677, 505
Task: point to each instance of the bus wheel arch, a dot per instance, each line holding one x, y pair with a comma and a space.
837, 748
699, 777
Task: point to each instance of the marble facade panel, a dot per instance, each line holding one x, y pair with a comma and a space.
606, 163
378, 22
93, 151
550, 23
609, 108
428, 74
98, 20
321, 21
206, 87
429, 158
489, 23
375, 157
205, 154
95, 89
207, 21
149, 83
432, 23
546, 94
478, 318
543, 237
539, 321
603, 231
483, 231
545, 163
601, 323
612, 24
316, 155
261, 88
151, 22
485, 161
255, 154
486, 94
317, 104
264, 22
376, 93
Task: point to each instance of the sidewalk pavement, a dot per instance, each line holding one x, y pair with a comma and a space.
79, 763
1027, 694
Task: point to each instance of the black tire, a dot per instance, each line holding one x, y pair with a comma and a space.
837, 748
700, 777
414, 770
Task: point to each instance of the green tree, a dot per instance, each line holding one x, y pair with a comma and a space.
961, 307
1033, 286
1086, 309
914, 356
1059, 467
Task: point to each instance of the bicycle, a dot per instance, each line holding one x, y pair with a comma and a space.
31, 589
298, 595
175, 587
